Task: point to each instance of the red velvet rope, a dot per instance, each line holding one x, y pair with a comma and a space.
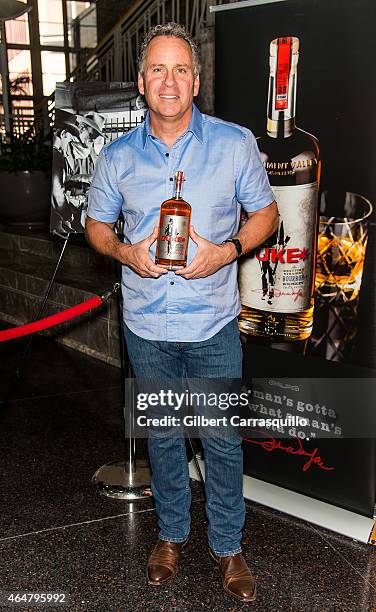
59, 317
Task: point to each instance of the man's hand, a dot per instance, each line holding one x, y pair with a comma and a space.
101, 236
209, 257
137, 257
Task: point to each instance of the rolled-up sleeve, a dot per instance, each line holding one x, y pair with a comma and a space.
253, 189
105, 200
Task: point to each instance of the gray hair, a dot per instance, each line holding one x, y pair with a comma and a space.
169, 29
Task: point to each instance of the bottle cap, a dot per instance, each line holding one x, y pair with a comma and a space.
284, 40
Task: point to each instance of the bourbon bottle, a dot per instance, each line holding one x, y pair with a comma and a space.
173, 236
276, 281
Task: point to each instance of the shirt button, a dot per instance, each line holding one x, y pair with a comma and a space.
171, 179
167, 154
172, 283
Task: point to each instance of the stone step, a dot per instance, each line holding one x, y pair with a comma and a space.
49, 246
26, 266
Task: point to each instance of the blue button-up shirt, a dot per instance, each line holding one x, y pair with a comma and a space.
223, 172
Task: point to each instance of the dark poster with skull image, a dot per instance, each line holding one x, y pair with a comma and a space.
303, 64
87, 116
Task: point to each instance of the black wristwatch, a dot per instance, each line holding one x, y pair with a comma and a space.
237, 244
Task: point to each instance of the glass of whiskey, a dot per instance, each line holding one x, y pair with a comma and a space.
341, 245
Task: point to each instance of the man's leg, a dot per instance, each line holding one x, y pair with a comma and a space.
156, 361
220, 357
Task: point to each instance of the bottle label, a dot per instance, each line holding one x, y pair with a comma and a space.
283, 72
277, 277
173, 237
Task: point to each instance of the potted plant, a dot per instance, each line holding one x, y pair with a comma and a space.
25, 179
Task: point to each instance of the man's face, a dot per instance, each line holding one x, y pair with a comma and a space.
87, 134
168, 82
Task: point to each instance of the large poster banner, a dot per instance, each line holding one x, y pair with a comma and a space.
297, 73
88, 115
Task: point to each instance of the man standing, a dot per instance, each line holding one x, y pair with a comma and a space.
183, 323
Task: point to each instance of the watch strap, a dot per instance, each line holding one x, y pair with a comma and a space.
237, 244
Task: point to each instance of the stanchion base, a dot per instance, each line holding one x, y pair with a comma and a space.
112, 480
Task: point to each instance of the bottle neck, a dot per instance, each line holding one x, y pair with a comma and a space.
179, 178
282, 91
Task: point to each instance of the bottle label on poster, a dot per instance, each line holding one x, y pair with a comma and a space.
277, 276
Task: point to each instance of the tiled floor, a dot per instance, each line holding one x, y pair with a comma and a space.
64, 420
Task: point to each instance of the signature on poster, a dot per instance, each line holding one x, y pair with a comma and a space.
313, 458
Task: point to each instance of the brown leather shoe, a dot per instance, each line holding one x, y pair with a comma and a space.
163, 562
237, 578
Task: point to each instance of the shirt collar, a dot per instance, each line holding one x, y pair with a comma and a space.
195, 126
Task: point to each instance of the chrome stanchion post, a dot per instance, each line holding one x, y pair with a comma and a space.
130, 440
128, 479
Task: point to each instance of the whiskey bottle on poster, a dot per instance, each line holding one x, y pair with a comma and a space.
276, 281
173, 236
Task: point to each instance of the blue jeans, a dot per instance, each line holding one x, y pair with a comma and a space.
217, 357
